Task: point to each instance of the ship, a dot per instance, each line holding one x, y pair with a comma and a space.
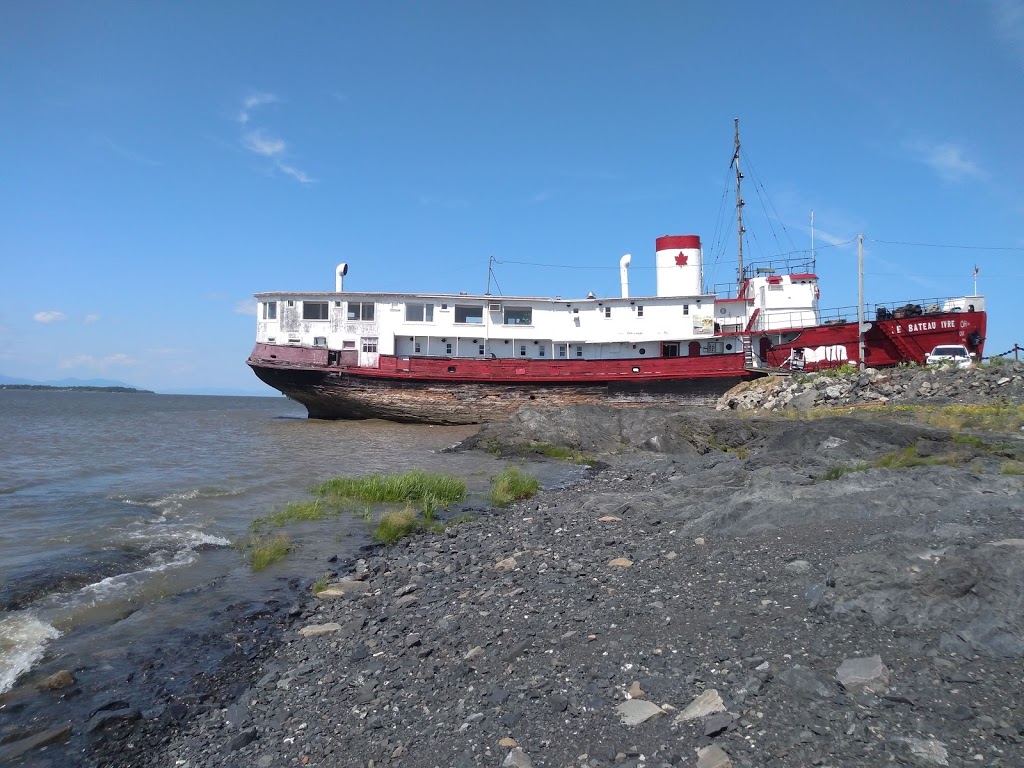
474, 358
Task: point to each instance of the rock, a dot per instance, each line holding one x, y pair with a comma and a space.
57, 680
924, 752
12, 750
508, 564
314, 630
635, 691
609, 519
473, 653
636, 711
707, 703
101, 720
713, 757
798, 566
620, 562
507, 742
242, 739
517, 759
717, 723
806, 682
699, 541
864, 674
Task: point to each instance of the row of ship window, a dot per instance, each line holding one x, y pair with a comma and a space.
417, 312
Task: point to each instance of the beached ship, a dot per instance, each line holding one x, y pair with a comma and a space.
465, 359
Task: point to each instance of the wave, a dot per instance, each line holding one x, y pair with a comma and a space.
23, 639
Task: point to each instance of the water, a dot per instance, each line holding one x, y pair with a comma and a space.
115, 507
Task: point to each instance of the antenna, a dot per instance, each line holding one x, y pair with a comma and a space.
814, 260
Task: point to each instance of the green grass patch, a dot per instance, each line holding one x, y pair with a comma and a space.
320, 585
562, 452
428, 490
904, 459
1012, 468
846, 369
264, 551
395, 525
293, 512
511, 485
465, 517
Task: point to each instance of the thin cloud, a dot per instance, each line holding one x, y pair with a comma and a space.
948, 160
1008, 23
128, 154
262, 143
117, 360
246, 307
542, 197
249, 103
295, 173
90, 319
266, 144
49, 316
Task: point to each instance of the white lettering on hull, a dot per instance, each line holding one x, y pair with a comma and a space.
927, 325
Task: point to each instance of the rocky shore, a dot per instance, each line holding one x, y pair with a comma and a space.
720, 590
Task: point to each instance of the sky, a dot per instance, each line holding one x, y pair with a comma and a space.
161, 162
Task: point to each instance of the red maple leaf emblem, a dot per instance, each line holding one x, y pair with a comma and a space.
681, 259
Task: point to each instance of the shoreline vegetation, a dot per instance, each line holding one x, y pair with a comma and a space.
82, 388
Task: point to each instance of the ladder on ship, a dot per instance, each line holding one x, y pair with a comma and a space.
748, 352
905, 349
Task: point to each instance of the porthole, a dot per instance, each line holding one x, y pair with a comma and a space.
643, 351
636, 369
451, 369
728, 347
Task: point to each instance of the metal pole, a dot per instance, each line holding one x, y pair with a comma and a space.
860, 300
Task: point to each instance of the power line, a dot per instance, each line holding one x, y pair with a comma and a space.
960, 247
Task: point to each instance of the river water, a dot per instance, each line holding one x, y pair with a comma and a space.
110, 504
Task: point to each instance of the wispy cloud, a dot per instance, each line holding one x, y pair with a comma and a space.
947, 159
49, 316
542, 197
251, 102
266, 144
127, 153
91, 318
246, 307
1008, 22
117, 360
262, 143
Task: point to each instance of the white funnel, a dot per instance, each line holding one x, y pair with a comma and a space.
624, 274
340, 276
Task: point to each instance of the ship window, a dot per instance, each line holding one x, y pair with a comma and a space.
522, 350
270, 310
562, 350
640, 310
416, 347
480, 349
686, 309
444, 307
337, 304
319, 341
469, 314
360, 310
447, 349
419, 313
291, 303
518, 316
271, 339
670, 350
579, 351
370, 344
314, 310
575, 310
540, 350
607, 311
348, 344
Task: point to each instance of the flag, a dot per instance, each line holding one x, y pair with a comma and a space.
975, 271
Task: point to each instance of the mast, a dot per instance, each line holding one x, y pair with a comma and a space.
739, 207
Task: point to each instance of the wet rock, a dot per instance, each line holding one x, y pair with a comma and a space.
315, 630
57, 680
713, 757
16, 748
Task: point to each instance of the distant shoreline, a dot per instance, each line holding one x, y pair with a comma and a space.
86, 388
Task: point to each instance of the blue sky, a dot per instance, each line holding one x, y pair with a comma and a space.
161, 161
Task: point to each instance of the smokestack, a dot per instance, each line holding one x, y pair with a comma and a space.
624, 274
340, 275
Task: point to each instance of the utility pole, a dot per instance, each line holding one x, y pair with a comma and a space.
860, 300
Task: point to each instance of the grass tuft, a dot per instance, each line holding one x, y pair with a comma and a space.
1012, 468
511, 485
264, 551
429, 490
293, 511
395, 525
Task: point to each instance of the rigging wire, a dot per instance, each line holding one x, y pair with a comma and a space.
939, 245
